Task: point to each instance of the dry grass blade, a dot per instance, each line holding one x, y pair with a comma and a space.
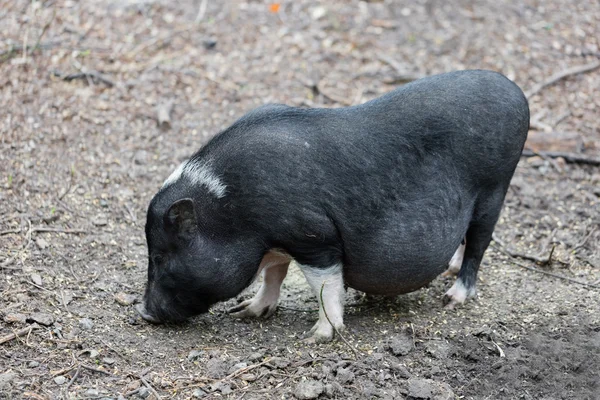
334, 328
562, 75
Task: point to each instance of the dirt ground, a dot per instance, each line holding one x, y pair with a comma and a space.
81, 156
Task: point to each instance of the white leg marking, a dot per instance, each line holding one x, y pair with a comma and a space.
456, 261
199, 173
274, 267
331, 281
459, 293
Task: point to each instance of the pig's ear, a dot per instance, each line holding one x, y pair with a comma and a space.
181, 217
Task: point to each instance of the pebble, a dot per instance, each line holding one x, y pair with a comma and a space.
401, 370
400, 345
33, 364
42, 319
198, 393
16, 317
60, 380
255, 356
236, 367
41, 243
195, 354
92, 393
37, 279
6, 378
279, 362
86, 323
429, 389
344, 375
108, 361
143, 392
248, 377
308, 389
125, 299
100, 221
216, 368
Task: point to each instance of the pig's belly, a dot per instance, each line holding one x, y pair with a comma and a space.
390, 280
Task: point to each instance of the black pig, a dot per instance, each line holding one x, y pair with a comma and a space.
380, 197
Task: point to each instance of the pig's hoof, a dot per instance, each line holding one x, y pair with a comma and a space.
252, 308
323, 332
458, 294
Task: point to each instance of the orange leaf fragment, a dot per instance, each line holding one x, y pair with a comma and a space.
274, 8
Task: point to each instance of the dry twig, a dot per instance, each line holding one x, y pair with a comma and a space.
569, 157
543, 260
334, 328
562, 75
88, 75
58, 230
402, 76
19, 333
150, 388
163, 117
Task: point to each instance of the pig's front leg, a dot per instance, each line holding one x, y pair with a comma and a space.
330, 281
274, 268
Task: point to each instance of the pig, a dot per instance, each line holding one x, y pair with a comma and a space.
381, 197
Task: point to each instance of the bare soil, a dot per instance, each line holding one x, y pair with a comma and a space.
81, 156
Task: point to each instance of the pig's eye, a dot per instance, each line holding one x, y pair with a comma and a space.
158, 260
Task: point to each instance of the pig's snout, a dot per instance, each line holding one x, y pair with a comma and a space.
141, 309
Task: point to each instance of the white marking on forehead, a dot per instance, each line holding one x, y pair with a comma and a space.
198, 173
174, 177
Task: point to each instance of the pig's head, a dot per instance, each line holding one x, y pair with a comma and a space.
188, 268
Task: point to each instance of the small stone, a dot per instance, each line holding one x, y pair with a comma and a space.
248, 377
308, 389
400, 345
143, 392
125, 299
33, 364
318, 12
195, 354
225, 389
6, 378
16, 317
255, 356
92, 393
94, 353
100, 221
535, 161
216, 368
60, 380
328, 390
420, 388
37, 279
344, 375
108, 360
279, 362
198, 393
237, 367
42, 319
429, 389
401, 370
86, 323
41, 243
141, 157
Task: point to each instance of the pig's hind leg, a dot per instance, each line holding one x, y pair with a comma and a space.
456, 261
273, 267
478, 239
